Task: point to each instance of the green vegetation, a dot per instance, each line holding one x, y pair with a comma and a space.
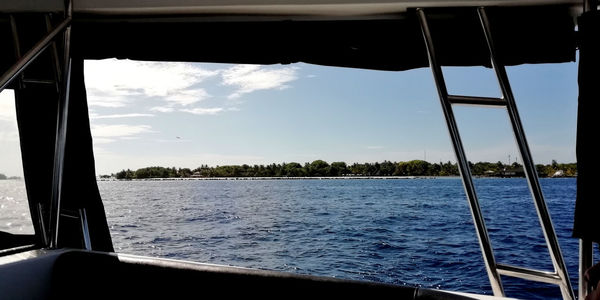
3, 177
320, 168
568, 170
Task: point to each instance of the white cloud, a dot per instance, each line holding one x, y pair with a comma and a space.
250, 78
8, 132
100, 131
163, 109
187, 97
177, 139
7, 106
119, 116
10, 152
204, 111
8, 118
103, 140
115, 83
374, 147
114, 98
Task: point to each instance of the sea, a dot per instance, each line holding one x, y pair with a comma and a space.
414, 232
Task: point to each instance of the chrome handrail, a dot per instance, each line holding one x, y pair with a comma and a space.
528, 164
463, 165
560, 276
61, 133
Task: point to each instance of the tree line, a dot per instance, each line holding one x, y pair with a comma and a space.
4, 177
320, 168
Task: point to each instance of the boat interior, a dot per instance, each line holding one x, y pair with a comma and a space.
70, 274
71, 253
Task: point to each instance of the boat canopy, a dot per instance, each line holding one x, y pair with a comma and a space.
384, 39
278, 8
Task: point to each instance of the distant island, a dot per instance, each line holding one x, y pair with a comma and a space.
4, 177
320, 168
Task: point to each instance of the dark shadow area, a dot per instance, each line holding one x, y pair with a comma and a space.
81, 274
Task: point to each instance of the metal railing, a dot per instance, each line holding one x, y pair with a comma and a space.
49, 229
494, 270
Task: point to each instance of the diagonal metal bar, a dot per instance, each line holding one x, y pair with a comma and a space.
17, 46
463, 166
85, 229
31, 55
528, 164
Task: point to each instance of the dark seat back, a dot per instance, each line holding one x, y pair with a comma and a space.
80, 274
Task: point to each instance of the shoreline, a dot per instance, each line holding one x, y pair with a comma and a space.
308, 178
274, 178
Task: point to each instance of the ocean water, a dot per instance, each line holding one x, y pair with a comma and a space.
416, 232
14, 208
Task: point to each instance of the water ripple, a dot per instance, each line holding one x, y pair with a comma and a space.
406, 232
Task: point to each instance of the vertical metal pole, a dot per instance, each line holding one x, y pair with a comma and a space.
463, 166
586, 250
85, 230
586, 258
61, 135
528, 164
42, 224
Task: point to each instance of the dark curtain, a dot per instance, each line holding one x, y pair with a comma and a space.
587, 208
37, 107
392, 44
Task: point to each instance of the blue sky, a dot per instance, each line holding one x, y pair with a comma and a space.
185, 115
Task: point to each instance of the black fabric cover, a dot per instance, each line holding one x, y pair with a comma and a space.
80, 188
587, 208
523, 35
36, 117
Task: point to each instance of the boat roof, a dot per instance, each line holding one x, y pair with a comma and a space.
340, 8
383, 35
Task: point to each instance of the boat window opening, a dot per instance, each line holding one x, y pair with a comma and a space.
187, 155
16, 228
